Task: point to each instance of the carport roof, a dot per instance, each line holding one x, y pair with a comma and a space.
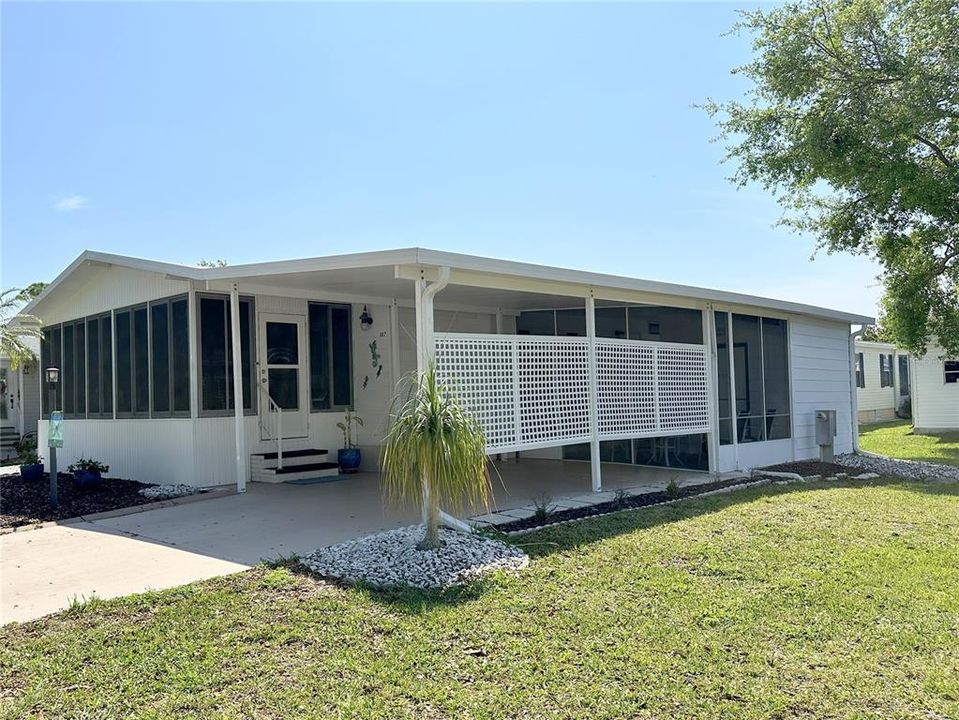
383, 267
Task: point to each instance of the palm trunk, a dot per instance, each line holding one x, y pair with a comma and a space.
431, 538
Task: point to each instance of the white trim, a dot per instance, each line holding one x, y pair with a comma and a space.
241, 460
596, 473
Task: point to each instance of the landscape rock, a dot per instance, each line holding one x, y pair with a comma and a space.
165, 492
910, 469
391, 558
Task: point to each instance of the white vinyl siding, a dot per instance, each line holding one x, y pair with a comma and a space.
935, 404
874, 396
821, 381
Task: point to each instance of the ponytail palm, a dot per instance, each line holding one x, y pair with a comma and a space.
435, 454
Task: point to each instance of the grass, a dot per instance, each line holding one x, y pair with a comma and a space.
807, 601
895, 439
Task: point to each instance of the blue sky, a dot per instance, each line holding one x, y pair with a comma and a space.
561, 134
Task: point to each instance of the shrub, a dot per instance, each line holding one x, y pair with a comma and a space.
89, 464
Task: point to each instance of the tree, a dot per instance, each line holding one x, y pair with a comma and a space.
435, 451
211, 263
15, 332
853, 122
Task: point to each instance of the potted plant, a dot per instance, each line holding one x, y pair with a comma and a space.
31, 464
349, 455
88, 472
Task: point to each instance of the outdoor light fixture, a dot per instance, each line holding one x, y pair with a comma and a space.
53, 375
366, 320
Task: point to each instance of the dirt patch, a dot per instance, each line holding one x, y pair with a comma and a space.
625, 503
27, 502
812, 467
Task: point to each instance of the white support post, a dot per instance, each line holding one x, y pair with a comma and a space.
712, 386
733, 410
241, 460
596, 472
394, 344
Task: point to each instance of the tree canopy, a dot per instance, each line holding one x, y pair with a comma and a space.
852, 120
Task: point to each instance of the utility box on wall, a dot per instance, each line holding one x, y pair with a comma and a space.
825, 433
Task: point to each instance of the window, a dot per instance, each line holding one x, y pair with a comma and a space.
132, 332
216, 355
51, 355
951, 370
331, 374
637, 322
759, 369
860, 373
99, 367
885, 370
170, 357
689, 452
903, 375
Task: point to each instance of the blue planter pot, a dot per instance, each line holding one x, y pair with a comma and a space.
349, 459
86, 478
31, 472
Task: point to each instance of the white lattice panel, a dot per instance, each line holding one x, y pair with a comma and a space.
532, 391
626, 387
553, 390
683, 399
481, 371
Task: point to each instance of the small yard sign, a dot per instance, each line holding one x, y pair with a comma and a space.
56, 429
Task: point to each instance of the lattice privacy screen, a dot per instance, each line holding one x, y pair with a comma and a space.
533, 391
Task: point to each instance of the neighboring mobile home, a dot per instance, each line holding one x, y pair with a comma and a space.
882, 381
556, 363
935, 391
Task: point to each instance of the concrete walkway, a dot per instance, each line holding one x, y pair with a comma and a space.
43, 570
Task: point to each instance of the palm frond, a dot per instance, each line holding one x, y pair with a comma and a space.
434, 441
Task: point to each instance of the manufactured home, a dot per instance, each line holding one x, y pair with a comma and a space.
19, 401
207, 376
883, 384
935, 391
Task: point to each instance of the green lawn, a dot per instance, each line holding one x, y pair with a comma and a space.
806, 601
895, 439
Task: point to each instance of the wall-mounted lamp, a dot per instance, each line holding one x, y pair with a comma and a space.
53, 375
366, 320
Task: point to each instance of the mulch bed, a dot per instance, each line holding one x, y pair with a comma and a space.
26, 503
626, 503
813, 467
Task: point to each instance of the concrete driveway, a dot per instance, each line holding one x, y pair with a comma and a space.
42, 570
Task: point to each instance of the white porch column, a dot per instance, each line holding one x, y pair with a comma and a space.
241, 460
712, 386
596, 472
394, 344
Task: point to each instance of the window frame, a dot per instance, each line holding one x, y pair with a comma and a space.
885, 370
950, 373
133, 413
98, 320
172, 412
860, 370
333, 408
198, 365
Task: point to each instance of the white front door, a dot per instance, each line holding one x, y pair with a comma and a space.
282, 373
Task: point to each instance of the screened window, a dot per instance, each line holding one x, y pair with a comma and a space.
51, 355
216, 363
124, 365
637, 322
536, 322
331, 374
665, 324
860, 372
611, 322
99, 367
951, 370
759, 369
571, 323
170, 357
885, 370
132, 332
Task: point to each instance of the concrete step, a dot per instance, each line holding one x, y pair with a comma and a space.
292, 458
296, 472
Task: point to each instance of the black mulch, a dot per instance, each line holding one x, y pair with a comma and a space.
625, 503
27, 503
813, 467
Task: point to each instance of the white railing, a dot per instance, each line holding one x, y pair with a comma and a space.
275, 433
533, 391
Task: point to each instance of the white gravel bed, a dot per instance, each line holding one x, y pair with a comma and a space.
391, 558
165, 492
911, 469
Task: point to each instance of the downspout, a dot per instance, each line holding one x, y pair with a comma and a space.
425, 355
853, 388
